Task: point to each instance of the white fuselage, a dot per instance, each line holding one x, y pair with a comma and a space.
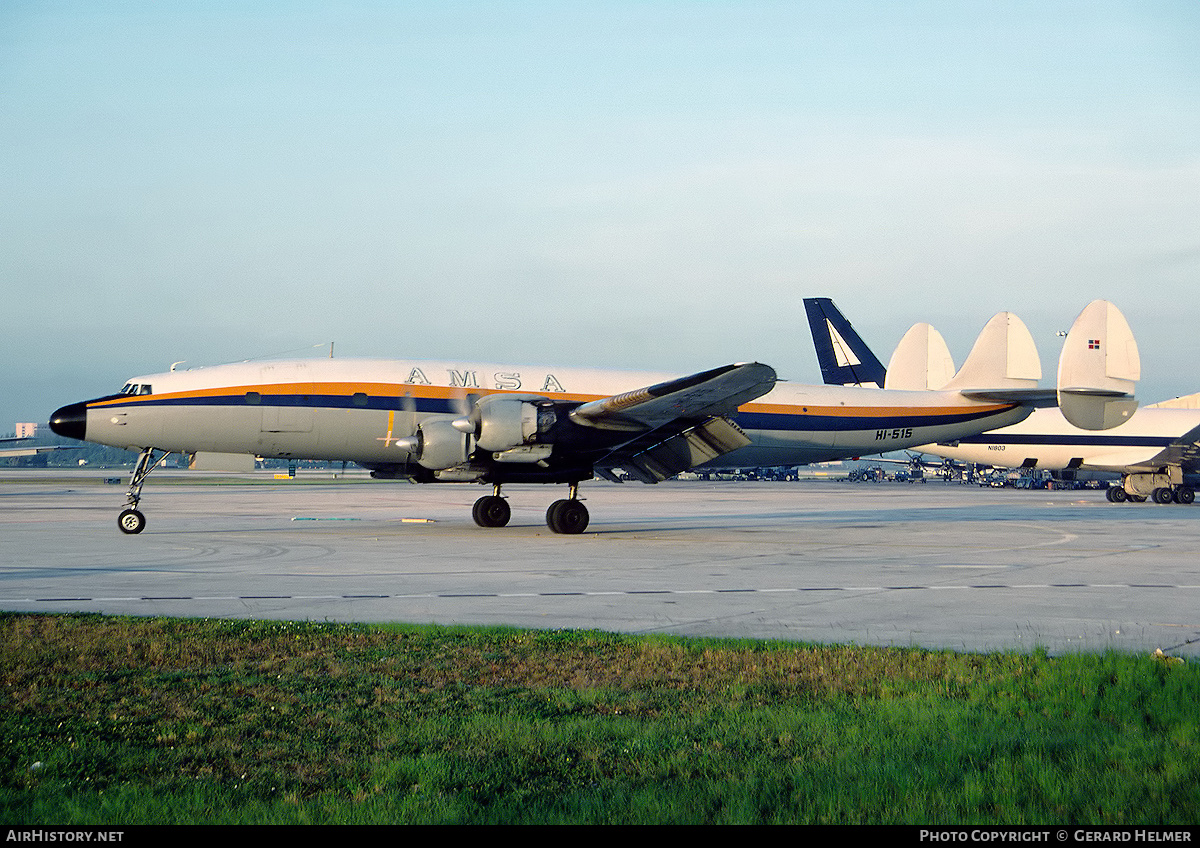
356, 410
1046, 440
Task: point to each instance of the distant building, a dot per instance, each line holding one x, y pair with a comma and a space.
26, 431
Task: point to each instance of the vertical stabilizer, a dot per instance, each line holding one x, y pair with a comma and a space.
921, 361
844, 358
1004, 357
1098, 369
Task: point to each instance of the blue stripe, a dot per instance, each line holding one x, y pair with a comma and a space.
397, 404
826, 423
1084, 440
747, 420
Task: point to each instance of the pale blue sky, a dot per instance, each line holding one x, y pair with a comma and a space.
636, 185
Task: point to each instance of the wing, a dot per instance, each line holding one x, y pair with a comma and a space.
1183, 451
695, 398
678, 424
30, 450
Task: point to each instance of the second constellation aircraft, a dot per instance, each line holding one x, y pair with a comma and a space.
496, 424
1152, 451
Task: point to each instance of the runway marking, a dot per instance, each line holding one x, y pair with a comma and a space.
584, 594
401, 520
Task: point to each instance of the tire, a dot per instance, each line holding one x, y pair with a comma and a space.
491, 511
568, 517
1162, 495
552, 515
1185, 495
131, 522
1119, 495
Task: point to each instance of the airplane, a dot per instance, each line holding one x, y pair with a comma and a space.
496, 424
1152, 451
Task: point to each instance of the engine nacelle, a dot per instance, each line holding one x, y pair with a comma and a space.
437, 444
505, 422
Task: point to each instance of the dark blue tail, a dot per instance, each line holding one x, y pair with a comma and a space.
845, 358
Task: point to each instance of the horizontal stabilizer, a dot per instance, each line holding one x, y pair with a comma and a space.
1098, 369
1182, 402
1004, 358
921, 361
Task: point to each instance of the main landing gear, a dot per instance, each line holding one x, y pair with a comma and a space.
1159, 494
491, 510
131, 520
568, 516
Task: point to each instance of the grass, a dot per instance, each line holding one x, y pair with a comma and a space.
130, 720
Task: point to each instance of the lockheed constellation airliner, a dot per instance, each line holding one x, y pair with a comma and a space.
1151, 451
496, 424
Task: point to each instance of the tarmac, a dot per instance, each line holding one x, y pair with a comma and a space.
932, 565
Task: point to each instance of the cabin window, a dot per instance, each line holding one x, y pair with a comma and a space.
359, 399
253, 398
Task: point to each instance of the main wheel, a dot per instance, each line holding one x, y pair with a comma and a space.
567, 516
131, 521
1162, 495
1185, 495
1117, 494
491, 511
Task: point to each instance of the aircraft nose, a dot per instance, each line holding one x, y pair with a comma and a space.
70, 421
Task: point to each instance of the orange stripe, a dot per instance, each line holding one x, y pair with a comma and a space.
452, 393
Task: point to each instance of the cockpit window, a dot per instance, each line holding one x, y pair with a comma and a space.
144, 389
136, 389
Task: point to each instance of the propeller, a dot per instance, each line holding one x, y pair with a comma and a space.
408, 424
465, 404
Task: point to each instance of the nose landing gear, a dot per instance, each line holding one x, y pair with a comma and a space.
131, 521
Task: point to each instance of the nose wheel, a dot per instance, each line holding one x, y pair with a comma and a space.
131, 521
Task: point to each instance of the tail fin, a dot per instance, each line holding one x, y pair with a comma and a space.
845, 358
1004, 358
1098, 368
921, 361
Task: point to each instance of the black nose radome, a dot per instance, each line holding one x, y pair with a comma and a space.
70, 421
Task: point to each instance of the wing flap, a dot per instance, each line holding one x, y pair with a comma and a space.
681, 451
